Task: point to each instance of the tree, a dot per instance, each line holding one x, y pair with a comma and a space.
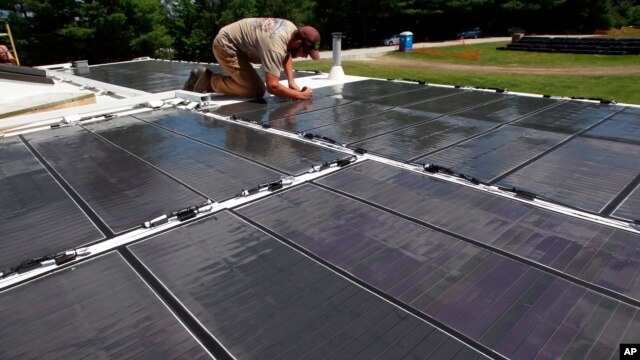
54, 31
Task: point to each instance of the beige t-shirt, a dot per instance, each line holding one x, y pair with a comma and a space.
262, 40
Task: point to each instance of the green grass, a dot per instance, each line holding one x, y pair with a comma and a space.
622, 88
489, 55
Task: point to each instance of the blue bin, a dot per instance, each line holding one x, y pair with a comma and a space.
406, 41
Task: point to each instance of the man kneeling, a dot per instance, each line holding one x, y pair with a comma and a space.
273, 43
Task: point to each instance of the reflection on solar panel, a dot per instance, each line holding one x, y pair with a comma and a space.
623, 126
261, 299
496, 152
37, 217
123, 191
457, 102
64, 316
283, 154
376, 90
313, 119
151, 75
217, 174
369, 126
272, 111
569, 117
348, 90
414, 96
412, 142
588, 251
600, 168
500, 302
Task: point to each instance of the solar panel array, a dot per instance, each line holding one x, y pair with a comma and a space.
374, 260
149, 75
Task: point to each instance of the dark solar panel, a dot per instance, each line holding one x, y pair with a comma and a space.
149, 75
152, 75
97, 309
498, 301
313, 119
347, 89
569, 117
413, 96
592, 252
495, 152
630, 207
261, 299
122, 190
217, 174
272, 108
508, 109
623, 126
267, 110
424, 138
421, 139
284, 154
379, 89
354, 130
585, 173
456, 102
37, 217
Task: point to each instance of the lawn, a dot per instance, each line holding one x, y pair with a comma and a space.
623, 88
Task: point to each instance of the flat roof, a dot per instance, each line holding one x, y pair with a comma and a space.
381, 218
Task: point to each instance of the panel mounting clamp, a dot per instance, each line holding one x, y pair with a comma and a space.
180, 215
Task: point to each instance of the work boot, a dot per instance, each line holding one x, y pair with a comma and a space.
199, 80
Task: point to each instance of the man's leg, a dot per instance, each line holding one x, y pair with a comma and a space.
243, 80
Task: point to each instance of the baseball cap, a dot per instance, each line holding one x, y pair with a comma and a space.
311, 41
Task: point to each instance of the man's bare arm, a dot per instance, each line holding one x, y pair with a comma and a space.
274, 87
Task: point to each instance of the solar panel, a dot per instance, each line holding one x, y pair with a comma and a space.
630, 207
378, 89
152, 75
37, 217
498, 301
412, 142
349, 89
149, 75
509, 109
260, 298
64, 316
585, 173
424, 138
325, 110
494, 153
413, 96
589, 251
215, 173
623, 127
313, 119
265, 110
122, 190
357, 129
456, 102
283, 154
569, 117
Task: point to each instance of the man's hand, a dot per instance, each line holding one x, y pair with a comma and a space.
294, 86
275, 88
307, 93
